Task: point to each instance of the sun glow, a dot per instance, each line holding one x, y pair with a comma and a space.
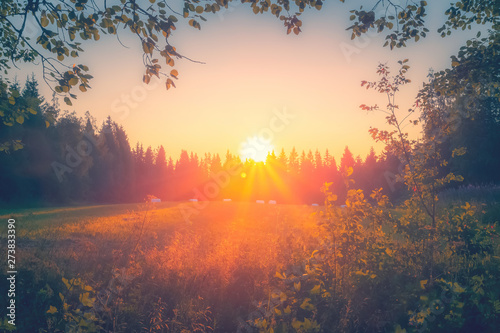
256, 148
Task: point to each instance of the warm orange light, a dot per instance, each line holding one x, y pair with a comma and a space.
256, 148
243, 175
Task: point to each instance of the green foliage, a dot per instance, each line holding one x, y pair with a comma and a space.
460, 107
354, 258
354, 269
16, 108
425, 266
64, 27
75, 312
424, 269
463, 14
407, 22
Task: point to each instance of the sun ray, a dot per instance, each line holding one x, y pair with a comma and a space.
284, 191
256, 148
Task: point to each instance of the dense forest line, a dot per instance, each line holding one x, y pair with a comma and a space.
59, 158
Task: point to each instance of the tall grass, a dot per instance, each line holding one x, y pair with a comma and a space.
203, 273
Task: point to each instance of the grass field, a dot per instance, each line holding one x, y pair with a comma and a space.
225, 254
217, 266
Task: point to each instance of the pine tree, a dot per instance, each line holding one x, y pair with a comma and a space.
347, 160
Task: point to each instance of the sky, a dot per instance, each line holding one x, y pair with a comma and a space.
295, 91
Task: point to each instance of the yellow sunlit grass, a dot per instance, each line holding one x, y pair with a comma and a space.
223, 244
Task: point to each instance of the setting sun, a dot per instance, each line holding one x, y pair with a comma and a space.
250, 166
256, 148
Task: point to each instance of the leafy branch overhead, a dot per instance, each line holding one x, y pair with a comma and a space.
63, 27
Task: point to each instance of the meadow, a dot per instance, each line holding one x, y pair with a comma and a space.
220, 260
247, 267
404, 240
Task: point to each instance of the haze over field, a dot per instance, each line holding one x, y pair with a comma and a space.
281, 172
